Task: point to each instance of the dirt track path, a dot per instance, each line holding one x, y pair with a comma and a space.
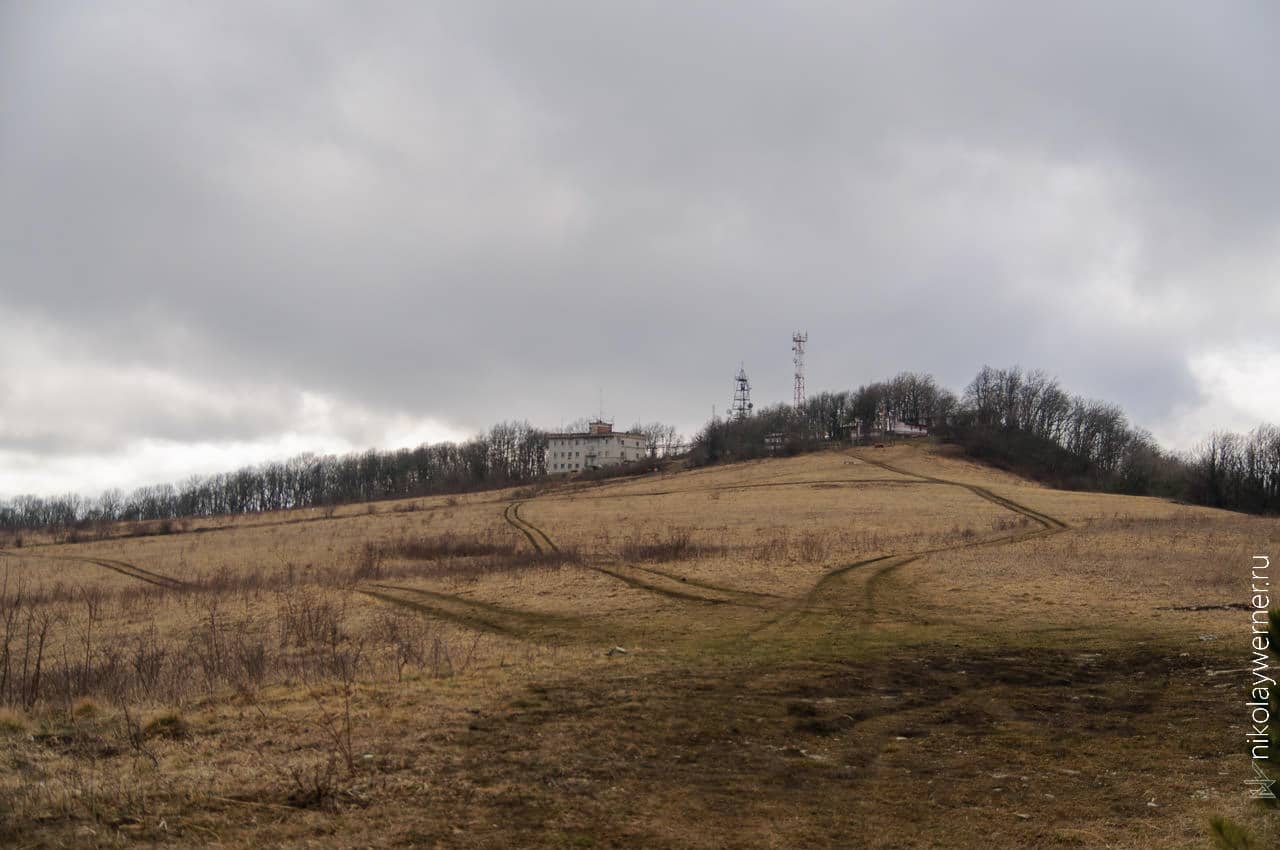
672, 585
475, 614
660, 582
1048, 525
982, 492
887, 565
124, 568
537, 537
721, 488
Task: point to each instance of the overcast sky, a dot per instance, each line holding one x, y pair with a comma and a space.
237, 231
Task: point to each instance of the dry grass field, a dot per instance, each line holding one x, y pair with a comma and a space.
871, 648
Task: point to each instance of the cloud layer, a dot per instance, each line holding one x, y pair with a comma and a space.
429, 217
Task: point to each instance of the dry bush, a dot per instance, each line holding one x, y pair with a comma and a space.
437, 548
474, 568
236, 630
530, 492
678, 544
415, 643
772, 549
24, 643
813, 547
166, 724
81, 789
12, 722
314, 785
306, 616
1010, 523
448, 556
808, 547
369, 563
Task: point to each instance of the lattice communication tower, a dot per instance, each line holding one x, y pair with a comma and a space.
798, 339
741, 407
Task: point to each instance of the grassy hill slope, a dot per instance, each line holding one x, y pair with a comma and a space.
881, 648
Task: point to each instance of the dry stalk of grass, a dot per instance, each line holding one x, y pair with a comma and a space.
676, 545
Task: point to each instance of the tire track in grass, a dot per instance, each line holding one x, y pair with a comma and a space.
509, 514
530, 529
134, 571
982, 492
545, 545
591, 495
484, 615
1048, 525
707, 585
881, 574
438, 612
124, 568
671, 593
474, 613
888, 564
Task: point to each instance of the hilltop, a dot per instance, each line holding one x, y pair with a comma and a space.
870, 647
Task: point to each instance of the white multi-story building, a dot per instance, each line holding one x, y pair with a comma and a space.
597, 447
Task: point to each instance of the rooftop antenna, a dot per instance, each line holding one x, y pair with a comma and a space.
741, 408
798, 339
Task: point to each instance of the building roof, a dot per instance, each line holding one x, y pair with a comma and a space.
597, 428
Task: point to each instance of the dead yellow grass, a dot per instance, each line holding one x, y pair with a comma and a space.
820, 651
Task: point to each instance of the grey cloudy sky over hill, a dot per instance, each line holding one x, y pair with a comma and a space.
231, 232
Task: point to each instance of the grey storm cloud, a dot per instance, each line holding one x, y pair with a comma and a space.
468, 212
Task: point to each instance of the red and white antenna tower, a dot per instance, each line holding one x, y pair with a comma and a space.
798, 339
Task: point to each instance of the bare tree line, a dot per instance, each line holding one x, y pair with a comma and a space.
1026, 421
910, 398
1028, 418
509, 453
1023, 420
1239, 471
